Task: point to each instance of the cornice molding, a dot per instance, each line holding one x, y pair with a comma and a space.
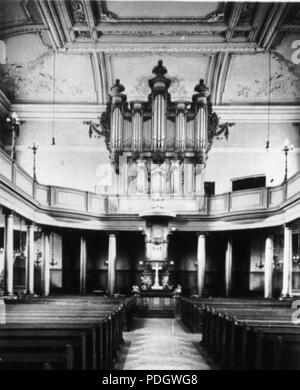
59, 111
258, 114
234, 113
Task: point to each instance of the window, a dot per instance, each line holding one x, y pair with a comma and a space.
209, 188
247, 183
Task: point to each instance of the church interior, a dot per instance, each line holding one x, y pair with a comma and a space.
149, 179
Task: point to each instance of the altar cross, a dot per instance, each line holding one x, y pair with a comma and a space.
156, 268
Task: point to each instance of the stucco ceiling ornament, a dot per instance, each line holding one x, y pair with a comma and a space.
108, 17
78, 12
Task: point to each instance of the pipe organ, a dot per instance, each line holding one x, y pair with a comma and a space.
165, 143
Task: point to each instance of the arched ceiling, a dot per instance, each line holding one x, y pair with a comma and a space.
124, 39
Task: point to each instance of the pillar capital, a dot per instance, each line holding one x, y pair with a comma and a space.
205, 234
8, 212
112, 234
29, 223
269, 233
46, 230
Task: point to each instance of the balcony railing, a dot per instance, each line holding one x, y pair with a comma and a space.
88, 202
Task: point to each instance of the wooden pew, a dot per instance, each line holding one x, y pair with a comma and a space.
250, 338
13, 358
99, 325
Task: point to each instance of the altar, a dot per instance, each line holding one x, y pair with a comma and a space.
156, 303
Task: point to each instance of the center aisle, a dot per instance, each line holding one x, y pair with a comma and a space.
162, 344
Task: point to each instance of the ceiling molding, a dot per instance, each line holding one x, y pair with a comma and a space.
271, 24
233, 19
96, 76
49, 17
219, 75
23, 29
90, 25
156, 47
66, 24
104, 71
258, 21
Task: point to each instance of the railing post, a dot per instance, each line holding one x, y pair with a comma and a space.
285, 184
13, 172
228, 201
52, 198
87, 201
34, 189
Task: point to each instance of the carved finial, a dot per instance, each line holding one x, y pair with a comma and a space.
117, 88
201, 88
160, 68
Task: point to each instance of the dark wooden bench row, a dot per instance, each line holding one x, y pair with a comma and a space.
260, 338
62, 335
191, 309
87, 301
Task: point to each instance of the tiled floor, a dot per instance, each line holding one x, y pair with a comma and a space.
162, 344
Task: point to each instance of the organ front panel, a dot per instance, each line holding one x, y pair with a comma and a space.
166, 142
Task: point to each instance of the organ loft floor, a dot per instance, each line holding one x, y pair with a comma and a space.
162, 344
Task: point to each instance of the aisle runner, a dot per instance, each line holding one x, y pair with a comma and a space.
161, 344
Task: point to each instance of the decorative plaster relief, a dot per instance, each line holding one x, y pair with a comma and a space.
248, 79
184, 71
29, 75
78, 11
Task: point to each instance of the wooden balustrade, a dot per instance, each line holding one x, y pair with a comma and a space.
84, 201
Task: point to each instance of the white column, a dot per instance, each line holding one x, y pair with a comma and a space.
269, 253
201, 258
30, 259
228, 268
9, 253
287, 263
83, 260
46, 264
112, 257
